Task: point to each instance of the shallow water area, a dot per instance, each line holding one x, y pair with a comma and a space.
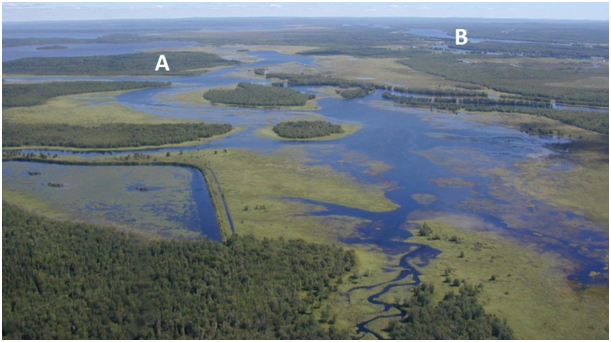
172, 201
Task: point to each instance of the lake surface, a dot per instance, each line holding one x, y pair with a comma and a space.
429, 153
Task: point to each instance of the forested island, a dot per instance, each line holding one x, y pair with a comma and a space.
183, 63
80, 281
322, 80
306, 129
252, 95
33, 94
110, 135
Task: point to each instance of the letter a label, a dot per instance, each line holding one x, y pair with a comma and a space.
162, 63
461, 37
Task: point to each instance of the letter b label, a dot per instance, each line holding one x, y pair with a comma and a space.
461, 37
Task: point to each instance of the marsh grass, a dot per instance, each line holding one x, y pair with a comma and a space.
529, 286
73, 110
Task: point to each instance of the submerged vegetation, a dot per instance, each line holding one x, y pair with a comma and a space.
136, 64
110, 135
306, 129
33, 94
66, 280
248, 94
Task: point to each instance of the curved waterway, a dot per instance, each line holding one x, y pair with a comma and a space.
441, 155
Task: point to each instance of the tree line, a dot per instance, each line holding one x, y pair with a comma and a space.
456, 317
64, 280
33, 94
182, 63
110, 135
248, 94
306, 129
549, 83
441, 92
590, 120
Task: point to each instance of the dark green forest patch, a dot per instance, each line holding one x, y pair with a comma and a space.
252, 95
456, 316
111, 135
136, 64
33, 94
306, 129
66, 280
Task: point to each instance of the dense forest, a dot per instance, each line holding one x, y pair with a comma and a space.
526, 81
306, 129
111, 135
455, 317
64, 280
248, 94
33, 94
134, 64
590, 120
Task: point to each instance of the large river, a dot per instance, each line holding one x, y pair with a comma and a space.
419, 146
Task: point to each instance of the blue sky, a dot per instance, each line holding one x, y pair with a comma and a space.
22, 11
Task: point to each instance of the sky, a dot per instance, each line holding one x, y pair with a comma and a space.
32, 11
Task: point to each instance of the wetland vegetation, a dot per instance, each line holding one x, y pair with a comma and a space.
521, 217
33, 94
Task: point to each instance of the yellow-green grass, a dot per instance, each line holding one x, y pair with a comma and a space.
197, 96
74, 110
251, 179
382, 70
530, 288
354, 308
348, 129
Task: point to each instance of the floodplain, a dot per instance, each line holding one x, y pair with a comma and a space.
523, 214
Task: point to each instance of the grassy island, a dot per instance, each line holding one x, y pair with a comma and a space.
255, 95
